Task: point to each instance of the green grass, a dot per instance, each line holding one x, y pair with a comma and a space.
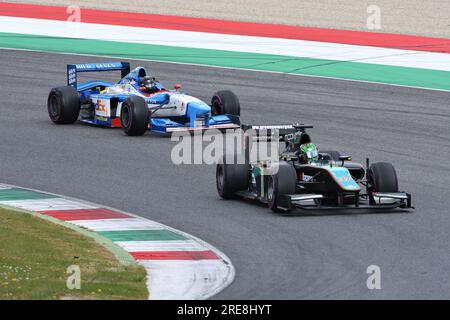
35, 255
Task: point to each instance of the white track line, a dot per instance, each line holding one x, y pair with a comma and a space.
48, 204
177, 279
232, 68
136, 246
235, 43
119, 224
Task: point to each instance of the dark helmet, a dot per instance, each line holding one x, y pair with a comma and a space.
305, 138
150, 84
298, 139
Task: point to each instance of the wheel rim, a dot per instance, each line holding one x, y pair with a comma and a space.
270, 189
126, 116
216, 106
53, 107
372, 187
220, 178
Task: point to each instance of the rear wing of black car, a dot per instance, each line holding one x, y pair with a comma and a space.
261, 132
267, 137
74, 69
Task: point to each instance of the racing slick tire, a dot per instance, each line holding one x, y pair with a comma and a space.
281, 183
382, 177
134, 116
63, 105
333, 154
225, 102
231, 177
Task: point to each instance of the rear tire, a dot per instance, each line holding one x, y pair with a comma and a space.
333, 154
281, 183
134, 116
225, 102
63, 105
382, 177
231, 178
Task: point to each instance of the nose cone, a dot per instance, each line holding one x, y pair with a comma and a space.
198, 108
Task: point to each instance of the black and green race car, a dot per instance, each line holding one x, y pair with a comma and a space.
306, 178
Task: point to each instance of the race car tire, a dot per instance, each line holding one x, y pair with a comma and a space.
134, 116
231, 178
225, 102
281, 183
382, 177
63, 105
333, 154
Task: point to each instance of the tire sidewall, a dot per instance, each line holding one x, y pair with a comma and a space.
231, 178
284, 181
225, 102
216, 105
220, 181
272, 184
55, 96
383, 177
67, 105
138, 116
126, 108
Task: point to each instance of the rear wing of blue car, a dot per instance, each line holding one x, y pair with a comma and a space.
73, 69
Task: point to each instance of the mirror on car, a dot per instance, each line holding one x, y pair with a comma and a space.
290, 156
345, 158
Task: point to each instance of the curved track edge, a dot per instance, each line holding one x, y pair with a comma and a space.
178, 265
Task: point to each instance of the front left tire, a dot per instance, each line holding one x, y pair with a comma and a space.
134, 116
382, 177
282, 183
225, 102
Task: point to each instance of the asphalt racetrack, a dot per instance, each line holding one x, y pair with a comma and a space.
276, 257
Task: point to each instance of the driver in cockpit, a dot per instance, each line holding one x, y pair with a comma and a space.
301, 144
149, 85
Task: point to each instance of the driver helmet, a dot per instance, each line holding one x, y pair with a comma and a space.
149, 83
308, 150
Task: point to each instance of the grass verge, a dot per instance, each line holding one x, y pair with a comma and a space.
35, 255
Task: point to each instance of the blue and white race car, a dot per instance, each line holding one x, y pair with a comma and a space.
137, 102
